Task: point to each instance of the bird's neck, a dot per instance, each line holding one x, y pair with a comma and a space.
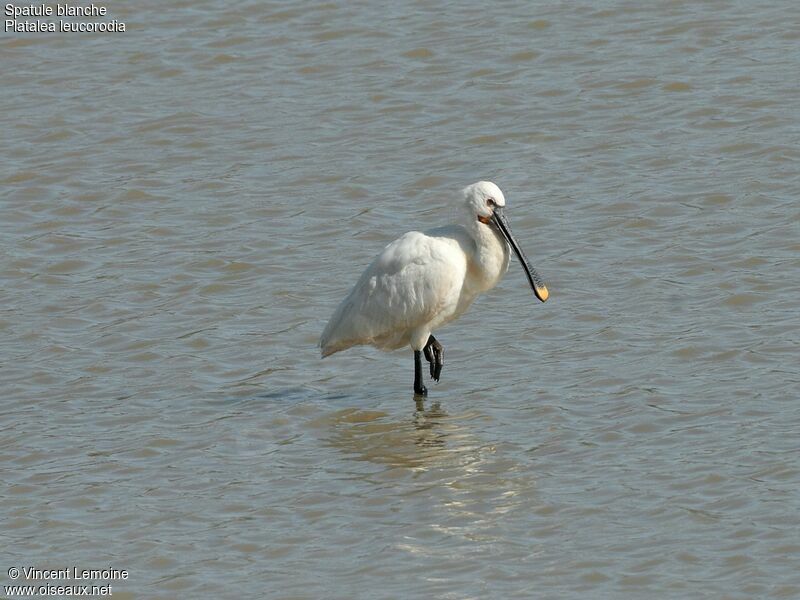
490, 259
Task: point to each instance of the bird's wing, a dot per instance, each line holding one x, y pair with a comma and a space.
413, 281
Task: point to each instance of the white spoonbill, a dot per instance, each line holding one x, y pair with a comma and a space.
423, 280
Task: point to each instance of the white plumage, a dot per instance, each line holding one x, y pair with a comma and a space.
422, 281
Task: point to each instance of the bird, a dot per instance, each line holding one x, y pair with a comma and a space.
422, 281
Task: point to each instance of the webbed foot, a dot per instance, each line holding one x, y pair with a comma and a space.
434, 354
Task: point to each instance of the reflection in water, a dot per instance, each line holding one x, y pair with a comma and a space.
430, 421
464, 486
429, 438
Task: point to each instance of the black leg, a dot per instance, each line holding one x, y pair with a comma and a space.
434, 354
419, 387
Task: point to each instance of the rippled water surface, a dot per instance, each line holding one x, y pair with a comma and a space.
185, 203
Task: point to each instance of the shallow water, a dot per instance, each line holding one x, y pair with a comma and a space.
185, 203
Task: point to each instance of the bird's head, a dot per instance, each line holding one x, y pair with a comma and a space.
481, 199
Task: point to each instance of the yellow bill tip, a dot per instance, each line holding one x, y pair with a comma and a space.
542, 293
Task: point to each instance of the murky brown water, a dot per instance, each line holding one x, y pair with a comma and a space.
184, 204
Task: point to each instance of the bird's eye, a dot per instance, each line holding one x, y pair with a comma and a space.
490, 202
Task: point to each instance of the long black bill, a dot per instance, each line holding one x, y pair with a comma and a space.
538, 286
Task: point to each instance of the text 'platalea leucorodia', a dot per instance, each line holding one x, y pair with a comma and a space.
422, 281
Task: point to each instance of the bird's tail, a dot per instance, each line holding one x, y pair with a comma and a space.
327, 345
331, 340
